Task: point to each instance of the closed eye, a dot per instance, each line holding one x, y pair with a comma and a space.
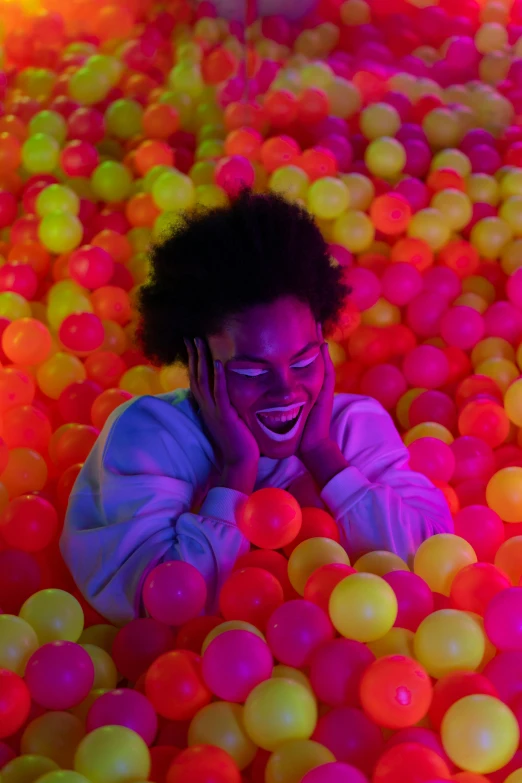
305, 362
249, 373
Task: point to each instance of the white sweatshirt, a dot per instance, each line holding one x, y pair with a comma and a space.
148, 493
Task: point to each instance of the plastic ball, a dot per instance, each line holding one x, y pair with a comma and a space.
26, 341
16, 702
294, 759
279, 710
29, 523
174, 685
295, 630
502, 618
234, 174
310, 555
111, 181
124, 707
385, 157
440, 558
57, 198
410, 762
54, 735
250, 594
335, 772
174, 592
222, 725
40, 153
449, 640
328, 198
373, 607
476, 585
390, 214
414, 598
112, 754
59, 675
395, 692
271, 518
351, 736
336, 668
138, 644
201, 763
504, 494
480, 733
234, 663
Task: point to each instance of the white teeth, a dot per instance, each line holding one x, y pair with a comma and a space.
281, 436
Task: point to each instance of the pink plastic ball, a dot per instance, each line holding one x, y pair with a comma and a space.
514, 288
20, 279
462, 326
414, 598
336, 668
341, 255
351, 736
433, 406
401, 283
365, 285
82, 332
234, 174
174, 592
334, 772
234, 663
124, 707
295, 630
76, 400
8, 208
424, 313
91, 266
504, 671
385, 383
502, 319
86, 124
443, 281
79, 158
433, 458
481, 527
59, 675
484, 159
418, 158
473, 459
426, 367
503, 619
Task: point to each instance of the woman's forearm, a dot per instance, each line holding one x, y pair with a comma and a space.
241, 477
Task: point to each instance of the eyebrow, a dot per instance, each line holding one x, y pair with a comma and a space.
257, 360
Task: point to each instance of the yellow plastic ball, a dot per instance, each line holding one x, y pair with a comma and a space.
491, 37
290, 673
363, 607
101, 635
317, 74
402, 409
380, 563
13, 306
361, 190
40, 154
494, 67
50, 123
26, 472
27, 769
63, 776
504, 494
211, 196
57, 198
454, 206
18, 641
111, 181
88, 86
58, 372
480, 733
173, 377
428, 429
513, 403
354, 230
111, 67
123, 118
222, 724
385, 157
511, 183
398, 641
173, 191
452, 159
511, 213
479, 285
492, 348
502, 371
483, 188
55, 735
230, 625
310, 555
515, 777
511, 257
379, 119
449, 641
474, 301
140, 379
439, 559
113, 754
105, 672
54, 615
355, 12
381, 315
328, 198
442, 128
431, 226
490, 236
60, 232
290, 762
279, 710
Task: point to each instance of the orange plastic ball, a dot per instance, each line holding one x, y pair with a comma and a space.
485, 419
317, 163
10, 152
218, 66
412, 251
117, 245
313, 105
442, 179
112, 303
26, 341
279, 151
152, 152
141, 210
26, 471
281, 108
28, 426
16, 388
160, 120
245, 142
395, 692
105, 403
461, 257
390, 214
174, 685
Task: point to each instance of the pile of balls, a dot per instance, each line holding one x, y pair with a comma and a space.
398, 123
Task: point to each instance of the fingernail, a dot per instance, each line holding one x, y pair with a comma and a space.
217, 364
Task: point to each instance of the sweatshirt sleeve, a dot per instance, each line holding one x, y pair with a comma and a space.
130, 509
378, 501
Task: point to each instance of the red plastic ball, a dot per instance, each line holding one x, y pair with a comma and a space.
321, 583
91, 266
174, 685
270, 518
15, 702
250, 594
410, 762
316, 523
29, 523
203, 764
75, 401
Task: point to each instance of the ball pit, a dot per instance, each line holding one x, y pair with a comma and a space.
397, 124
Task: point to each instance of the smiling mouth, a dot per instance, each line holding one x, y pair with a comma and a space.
279, 425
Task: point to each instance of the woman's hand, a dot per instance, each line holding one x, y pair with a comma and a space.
230, 434
317, 428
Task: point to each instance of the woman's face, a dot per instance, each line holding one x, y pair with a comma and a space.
272, 359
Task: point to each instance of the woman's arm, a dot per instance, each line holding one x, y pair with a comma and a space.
130, 510
378, 501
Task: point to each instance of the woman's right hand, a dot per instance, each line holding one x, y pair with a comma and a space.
230, 433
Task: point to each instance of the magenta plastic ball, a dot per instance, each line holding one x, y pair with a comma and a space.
7, 754
442, 281
484, 159
20, 577
335, 772
433, 458
401, 283
234, 663
59, 675
234, 174
351, 736
514, 288
502, 319
433, 406
341, 255
426, 367
82, 332
341, 148
385, 383
462, 326
295, 629
20, 279
418, 158
79, 158
424, 312
336, 668
174, 592
461, 52
504, 671
475, 138
91, 266
482, 528
365, 285
124, 707
503, 619
410, 130
414, 598
473, 458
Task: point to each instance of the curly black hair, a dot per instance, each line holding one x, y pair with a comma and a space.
219, 262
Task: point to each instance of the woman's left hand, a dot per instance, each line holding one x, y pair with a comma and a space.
316, 431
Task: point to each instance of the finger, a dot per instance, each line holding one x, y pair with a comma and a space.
320, 332
329, 369
203, 371
221, 397
192, 368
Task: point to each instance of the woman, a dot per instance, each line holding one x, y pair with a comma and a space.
242, 294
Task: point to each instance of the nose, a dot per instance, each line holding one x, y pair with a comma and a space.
283, 387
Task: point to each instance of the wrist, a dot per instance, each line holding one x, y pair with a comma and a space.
324, 461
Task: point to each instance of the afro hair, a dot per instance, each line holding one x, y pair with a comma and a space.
219, 262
